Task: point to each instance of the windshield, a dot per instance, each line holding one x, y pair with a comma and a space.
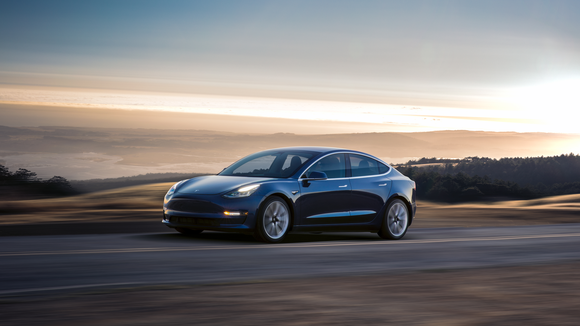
272, 164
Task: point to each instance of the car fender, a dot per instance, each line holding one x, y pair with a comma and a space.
408, 203
284, 191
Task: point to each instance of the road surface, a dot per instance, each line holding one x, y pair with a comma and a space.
70, 263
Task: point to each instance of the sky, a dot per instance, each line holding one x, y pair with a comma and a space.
469, 60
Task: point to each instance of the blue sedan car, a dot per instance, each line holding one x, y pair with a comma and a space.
314, 189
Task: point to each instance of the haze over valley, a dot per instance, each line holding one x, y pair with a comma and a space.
79, 153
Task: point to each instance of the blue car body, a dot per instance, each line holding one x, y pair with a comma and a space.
345, 203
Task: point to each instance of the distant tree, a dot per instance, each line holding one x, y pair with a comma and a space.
24, 184
4, 173
58, 180
25, 175
528, 171
58, 185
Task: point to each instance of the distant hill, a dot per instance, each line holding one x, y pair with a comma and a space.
93, 185
111, 152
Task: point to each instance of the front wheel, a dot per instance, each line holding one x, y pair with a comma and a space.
273, 221
396, 221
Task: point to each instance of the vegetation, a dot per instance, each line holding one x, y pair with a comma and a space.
475, 178
25, 184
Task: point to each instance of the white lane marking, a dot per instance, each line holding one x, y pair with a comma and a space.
278, 246
68, 287
335, 244
129, 284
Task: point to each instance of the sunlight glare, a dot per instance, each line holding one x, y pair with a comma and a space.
556, 103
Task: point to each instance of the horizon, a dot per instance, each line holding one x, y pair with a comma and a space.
80, 153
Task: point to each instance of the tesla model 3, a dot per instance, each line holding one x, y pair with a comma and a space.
316, 189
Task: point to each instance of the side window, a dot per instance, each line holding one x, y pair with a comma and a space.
332, 165
363, 166
383, 168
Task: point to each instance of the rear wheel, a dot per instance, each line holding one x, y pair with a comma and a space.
395, 221
273, 221
187, 231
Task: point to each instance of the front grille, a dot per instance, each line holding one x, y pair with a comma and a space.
206, 221
194, 206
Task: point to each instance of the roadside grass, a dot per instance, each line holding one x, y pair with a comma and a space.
130, 203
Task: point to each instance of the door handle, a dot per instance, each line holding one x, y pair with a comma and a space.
343, 186
383, 184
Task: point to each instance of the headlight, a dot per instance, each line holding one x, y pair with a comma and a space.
172, 189
244, 191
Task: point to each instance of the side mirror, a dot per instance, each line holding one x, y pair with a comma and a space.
316, 175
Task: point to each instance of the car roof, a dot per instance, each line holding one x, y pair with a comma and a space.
320, 149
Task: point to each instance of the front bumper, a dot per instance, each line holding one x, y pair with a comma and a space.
210, 212
217, 223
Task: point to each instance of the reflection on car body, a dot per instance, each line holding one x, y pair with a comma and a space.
273, 192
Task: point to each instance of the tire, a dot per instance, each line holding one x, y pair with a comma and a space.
187, 231
273, 221
395, 221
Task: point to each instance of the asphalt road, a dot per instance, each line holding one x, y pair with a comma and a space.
43, 264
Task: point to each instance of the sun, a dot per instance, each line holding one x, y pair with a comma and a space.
556, 104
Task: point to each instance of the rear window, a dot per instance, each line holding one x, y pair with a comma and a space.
363, 166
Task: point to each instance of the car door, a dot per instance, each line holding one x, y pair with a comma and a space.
326, 201
370, 187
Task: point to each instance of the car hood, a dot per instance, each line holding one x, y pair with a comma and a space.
215, 184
